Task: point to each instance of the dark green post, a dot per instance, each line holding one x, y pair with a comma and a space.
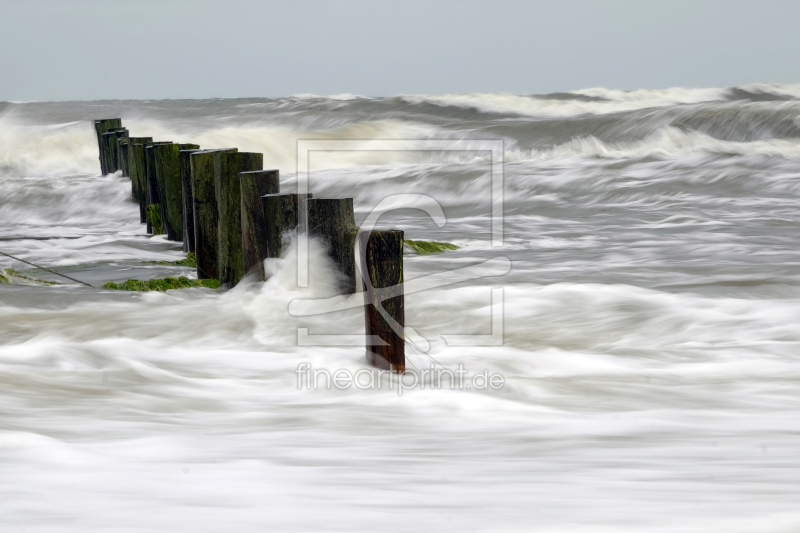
205, 211
153, 192
137, 164
227, 168
113, 148
122, 143
281, 214
254, 185
381, 263
100, 127
137, 171
187, 206
168, 175
108, 155
332, 220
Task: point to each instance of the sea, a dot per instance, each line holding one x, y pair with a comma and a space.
623, 306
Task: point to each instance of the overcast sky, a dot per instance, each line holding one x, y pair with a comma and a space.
88, 49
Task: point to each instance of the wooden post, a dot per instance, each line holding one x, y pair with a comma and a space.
100, 127
168, 175
281, 215
254, 185
122, 143
204, 209
381, 263
153, 192
137, 169
108, 155
229, 203
153, 197
113, 148
137, 163
332, 219
187, 206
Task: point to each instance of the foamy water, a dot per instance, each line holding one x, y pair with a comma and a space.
651, 324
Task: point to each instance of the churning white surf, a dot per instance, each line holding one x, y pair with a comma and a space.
651, 333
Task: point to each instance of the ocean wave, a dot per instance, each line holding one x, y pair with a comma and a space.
656, 97
604, 101
52, 150
71, 149
592, 101
669, 141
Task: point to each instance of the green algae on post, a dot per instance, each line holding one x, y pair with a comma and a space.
429, 247
154, 217
227, 168
190, 261
204, 209
166, 158
161, 284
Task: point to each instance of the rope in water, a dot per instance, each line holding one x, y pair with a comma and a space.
46, 269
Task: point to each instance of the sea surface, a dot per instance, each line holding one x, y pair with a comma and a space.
648, 341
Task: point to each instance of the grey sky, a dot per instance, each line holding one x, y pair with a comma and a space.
88, 49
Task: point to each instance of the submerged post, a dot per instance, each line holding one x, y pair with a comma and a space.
187, 205
332, 219
100, 127
381, 265
281, 213
227, 168
204, 209
254, 185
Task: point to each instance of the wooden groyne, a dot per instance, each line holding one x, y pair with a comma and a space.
229, 211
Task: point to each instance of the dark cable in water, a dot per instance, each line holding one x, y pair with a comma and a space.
47, 269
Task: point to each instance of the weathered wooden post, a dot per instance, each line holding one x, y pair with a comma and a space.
167, 162
113, 148
332, 219
229, 203
108, 154
100, 127
137, 171
381, 265
187, 206
137, 164
153, 192
122, 143
206, 219
254, 185
281, 215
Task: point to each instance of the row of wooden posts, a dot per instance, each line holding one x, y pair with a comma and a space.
230, 212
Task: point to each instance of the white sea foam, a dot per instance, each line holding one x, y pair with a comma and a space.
657, 97
52, 150
532, 106
781, 89
666, 142
651, 325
